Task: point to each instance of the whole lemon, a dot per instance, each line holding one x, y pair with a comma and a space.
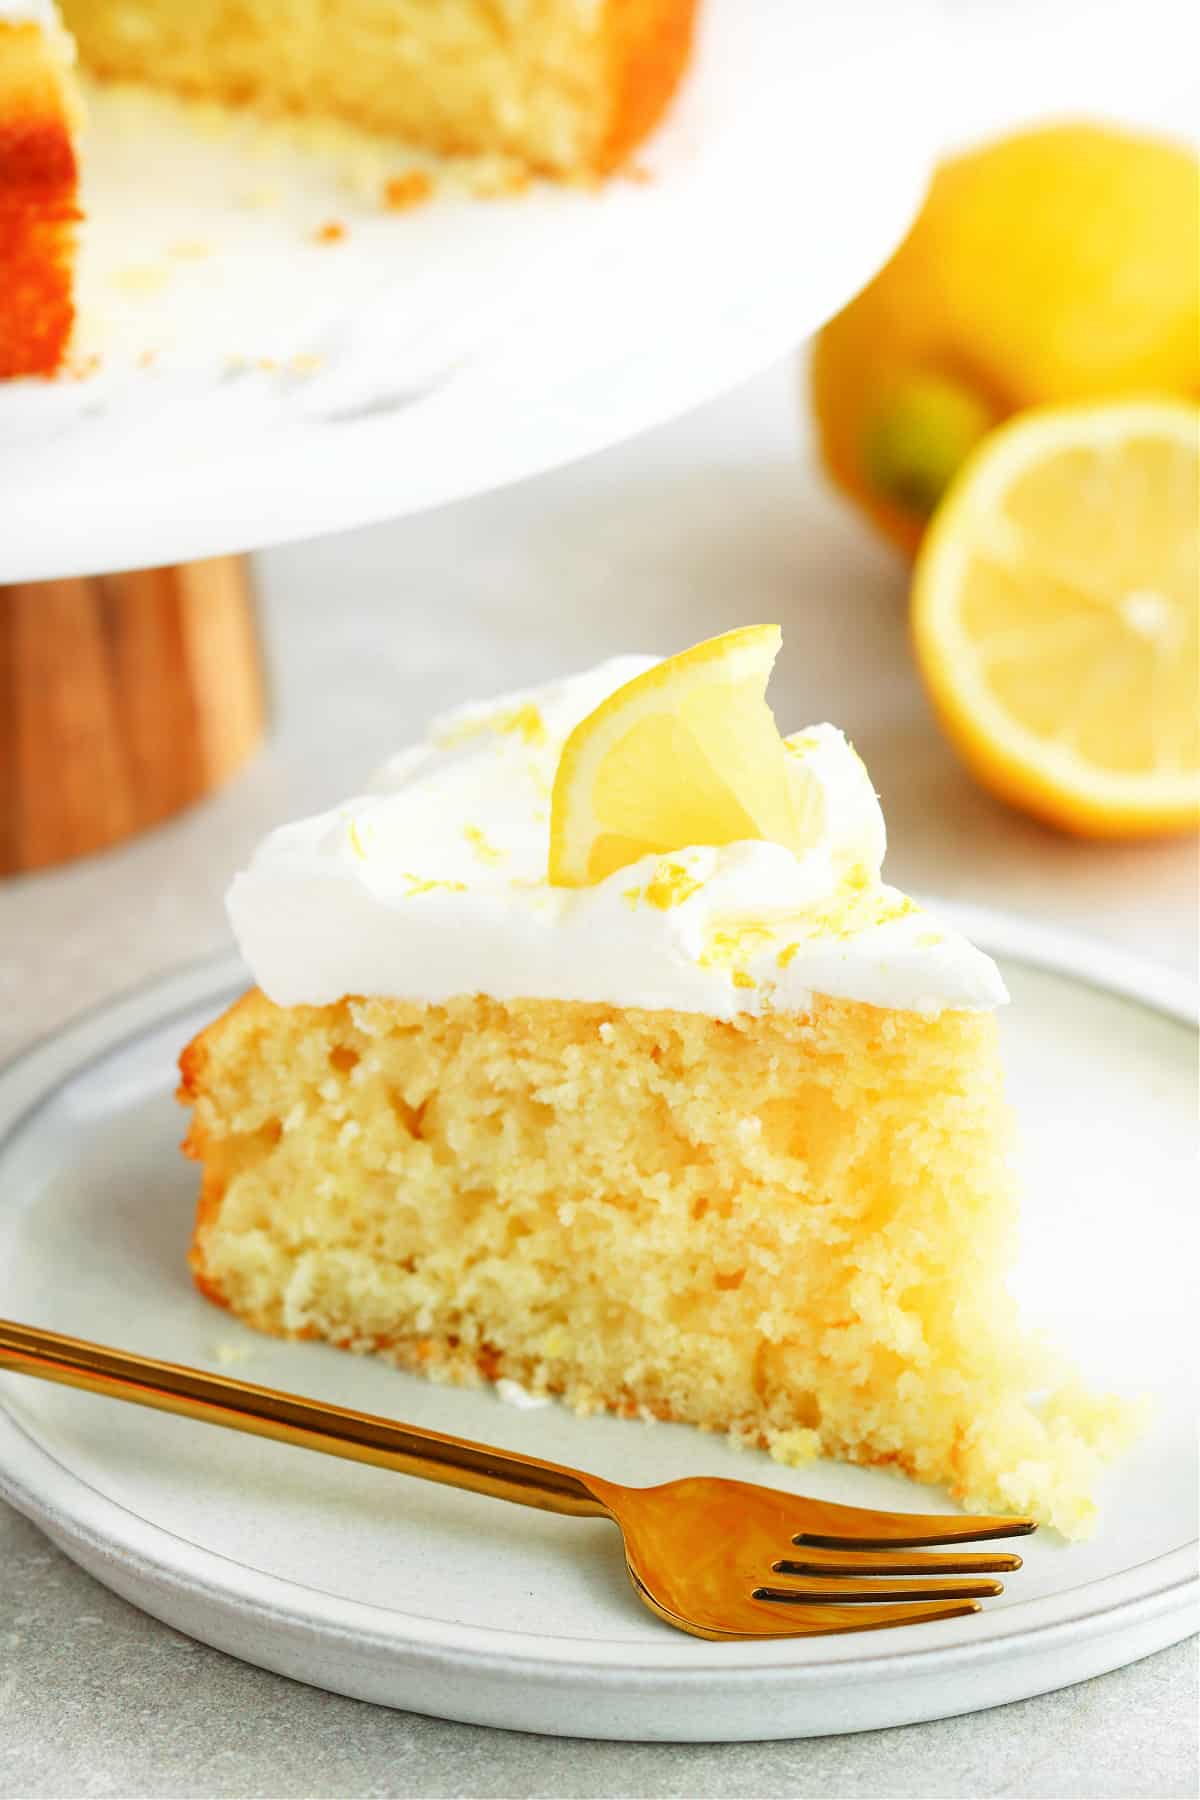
1062, 264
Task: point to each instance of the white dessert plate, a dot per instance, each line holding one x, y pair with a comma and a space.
385, 1588
255, 384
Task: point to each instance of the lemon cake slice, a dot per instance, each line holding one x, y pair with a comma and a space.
589, 1049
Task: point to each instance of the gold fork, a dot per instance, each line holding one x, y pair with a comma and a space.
718, 1558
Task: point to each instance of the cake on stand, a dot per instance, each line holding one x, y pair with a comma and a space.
237, 385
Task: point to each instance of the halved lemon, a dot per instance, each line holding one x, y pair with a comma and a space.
1056, 616
687, 753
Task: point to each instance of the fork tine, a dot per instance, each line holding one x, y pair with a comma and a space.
848, 1590
897, 1562
835, 1527
820, 1621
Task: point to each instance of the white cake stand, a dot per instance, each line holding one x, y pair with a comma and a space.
244, 383
266, 353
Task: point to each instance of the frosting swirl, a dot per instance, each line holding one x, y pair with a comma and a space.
433, 883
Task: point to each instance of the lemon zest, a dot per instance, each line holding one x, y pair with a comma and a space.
485, 851
727, 943
416, 885
669, 886
524, 721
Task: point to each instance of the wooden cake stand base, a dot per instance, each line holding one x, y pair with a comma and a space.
123, 698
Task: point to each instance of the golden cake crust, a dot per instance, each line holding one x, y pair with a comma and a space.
649, 45
38, 210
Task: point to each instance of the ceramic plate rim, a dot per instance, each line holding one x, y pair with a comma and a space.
77, 1515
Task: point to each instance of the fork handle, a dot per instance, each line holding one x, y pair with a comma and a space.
291, 1419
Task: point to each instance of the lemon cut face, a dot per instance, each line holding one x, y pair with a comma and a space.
686, 753
1056, 616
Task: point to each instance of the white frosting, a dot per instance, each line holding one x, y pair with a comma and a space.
433, 883
40, 12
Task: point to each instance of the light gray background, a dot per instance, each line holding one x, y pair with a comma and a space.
709, 522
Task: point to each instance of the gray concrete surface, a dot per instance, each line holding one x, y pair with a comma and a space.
98, 1699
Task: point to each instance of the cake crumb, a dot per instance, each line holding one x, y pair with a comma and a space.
141, 278
491, 177
794, 1447
82, 368
403, 192
227, 1352
513, 1394
332, 232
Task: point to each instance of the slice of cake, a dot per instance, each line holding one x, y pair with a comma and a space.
38, 183
590, 1050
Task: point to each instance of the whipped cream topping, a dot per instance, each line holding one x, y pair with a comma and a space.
433, 883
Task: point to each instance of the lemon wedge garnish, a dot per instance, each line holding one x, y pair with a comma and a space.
1056, 615
686, 753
